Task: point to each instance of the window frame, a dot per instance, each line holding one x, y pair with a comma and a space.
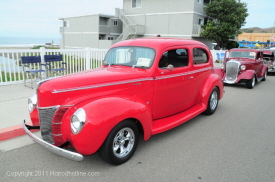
200, 62
135, 5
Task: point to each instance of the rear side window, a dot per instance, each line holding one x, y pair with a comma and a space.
174, 57
199, 56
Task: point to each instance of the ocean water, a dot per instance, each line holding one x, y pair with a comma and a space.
26, 41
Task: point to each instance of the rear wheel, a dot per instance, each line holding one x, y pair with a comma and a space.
120, 144
251, 83
265, 75
212, 102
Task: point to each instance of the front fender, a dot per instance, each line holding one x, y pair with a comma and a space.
210, 83
102, 115
246, 75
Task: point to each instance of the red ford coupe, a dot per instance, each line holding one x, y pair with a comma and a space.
144, 87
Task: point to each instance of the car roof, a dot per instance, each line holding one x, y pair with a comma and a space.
158, 43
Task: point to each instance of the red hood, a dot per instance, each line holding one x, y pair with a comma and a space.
94, 77
93, 83
242, 60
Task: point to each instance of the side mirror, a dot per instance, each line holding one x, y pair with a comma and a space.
170, 67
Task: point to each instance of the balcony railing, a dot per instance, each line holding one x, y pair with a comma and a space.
103, 29
196, 30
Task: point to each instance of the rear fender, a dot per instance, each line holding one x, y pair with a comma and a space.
264, 69
219, 72
210, 83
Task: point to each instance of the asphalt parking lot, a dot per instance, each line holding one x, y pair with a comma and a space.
235, 144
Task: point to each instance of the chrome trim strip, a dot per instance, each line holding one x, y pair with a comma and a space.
129, 81
182, 74
57, 134
58, 151
50, 107
100, 85
57, 106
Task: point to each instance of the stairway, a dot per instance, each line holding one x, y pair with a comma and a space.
131, 29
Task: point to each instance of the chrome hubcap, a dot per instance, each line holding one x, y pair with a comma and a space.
214, 100
123, 142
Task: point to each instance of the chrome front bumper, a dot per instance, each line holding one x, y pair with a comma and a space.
58, 151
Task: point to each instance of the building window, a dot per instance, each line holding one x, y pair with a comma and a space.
110, 38
200, 21
115, 23
65, 23
100, 38
205, 2
136, 3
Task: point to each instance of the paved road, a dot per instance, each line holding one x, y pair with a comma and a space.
237, 143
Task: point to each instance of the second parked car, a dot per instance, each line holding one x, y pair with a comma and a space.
244, 66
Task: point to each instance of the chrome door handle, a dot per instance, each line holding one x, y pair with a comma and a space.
191, 77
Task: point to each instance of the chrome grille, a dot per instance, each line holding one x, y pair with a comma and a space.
232, 69
46, 116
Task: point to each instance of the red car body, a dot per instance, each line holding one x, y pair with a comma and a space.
156, 98
243, 65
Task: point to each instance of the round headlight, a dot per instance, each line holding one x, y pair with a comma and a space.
32, 101
78, 120
243, 67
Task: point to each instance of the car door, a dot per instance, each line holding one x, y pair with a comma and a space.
201, 66
258, 64
173, 83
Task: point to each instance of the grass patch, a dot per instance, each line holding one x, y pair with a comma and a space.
7, 77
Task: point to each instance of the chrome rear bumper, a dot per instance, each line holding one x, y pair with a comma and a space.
58, 151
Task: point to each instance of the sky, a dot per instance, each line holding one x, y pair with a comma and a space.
40, 18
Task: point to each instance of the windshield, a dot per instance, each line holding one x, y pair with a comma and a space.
141, 57
242, 54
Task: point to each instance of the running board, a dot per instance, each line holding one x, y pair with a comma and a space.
170, 122
260, 79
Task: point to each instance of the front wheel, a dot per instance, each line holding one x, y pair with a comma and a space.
212, 102
251, 83
120, 144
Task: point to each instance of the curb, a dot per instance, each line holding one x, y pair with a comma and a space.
13, 131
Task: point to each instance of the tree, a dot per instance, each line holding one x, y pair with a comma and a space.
226, 17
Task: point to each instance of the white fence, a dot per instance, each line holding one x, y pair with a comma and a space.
11, 71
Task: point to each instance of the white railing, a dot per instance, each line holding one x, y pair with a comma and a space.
11, 71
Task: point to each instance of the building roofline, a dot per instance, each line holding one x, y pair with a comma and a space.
100, 15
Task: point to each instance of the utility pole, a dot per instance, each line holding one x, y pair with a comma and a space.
271, 35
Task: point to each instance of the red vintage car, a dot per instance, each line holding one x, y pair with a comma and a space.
144, 87
244, 66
